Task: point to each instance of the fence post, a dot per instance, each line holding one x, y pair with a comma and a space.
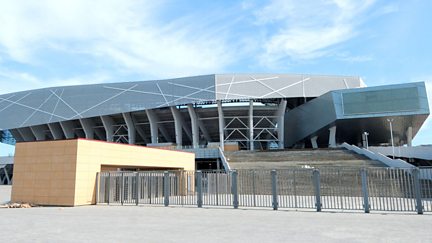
317, 186
97, 187
417, 190
122, 188
274, 190
199, 189
137, 188
234, 189
166, 188
365, 191
109, 187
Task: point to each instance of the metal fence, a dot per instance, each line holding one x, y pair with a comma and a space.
379, 189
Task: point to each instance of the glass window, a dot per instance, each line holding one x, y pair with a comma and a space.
381, 101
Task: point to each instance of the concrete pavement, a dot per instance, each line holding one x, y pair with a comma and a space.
177, 224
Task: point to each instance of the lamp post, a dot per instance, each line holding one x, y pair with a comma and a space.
366, 134
391, 136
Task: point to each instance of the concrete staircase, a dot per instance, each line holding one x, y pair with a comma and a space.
306, 158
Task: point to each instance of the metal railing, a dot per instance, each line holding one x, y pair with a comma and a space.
377, 189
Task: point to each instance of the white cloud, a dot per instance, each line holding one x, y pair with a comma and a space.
309, 28
127, 34
354, 59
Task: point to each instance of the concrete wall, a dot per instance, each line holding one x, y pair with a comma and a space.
64, 172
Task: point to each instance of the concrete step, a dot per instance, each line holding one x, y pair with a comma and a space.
298, 158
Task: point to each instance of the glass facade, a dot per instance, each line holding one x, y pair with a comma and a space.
381, 101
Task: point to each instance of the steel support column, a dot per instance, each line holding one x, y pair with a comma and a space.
130, 126
221, 125
280, 123
251, 125
409, 135
332, 137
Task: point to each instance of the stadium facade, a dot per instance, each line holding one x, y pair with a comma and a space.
251, 111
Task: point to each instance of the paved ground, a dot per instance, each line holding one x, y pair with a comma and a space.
176, 224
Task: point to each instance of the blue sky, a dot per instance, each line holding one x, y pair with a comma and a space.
50, 42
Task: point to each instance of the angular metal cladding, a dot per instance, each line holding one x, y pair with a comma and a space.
56, 104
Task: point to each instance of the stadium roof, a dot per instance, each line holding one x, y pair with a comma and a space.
48, 105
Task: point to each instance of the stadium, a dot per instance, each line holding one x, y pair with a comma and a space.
232, 111
203, 123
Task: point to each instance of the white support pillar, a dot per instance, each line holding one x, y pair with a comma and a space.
131, 127
178, 124
280, 123
201, 124
55, 130
88, 127
332, 137
68, 129
409, 136
153, 126
38, 132
108, 124
221, 125
194, 125
363, 140
26, 134
186, 129
251, 126
314, 142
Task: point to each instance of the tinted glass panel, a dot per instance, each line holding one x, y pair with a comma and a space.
381, 101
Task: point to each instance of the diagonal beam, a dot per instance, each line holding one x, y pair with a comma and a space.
68, 129
55, 130
26, 134
38, 132
139, 130
7, 176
